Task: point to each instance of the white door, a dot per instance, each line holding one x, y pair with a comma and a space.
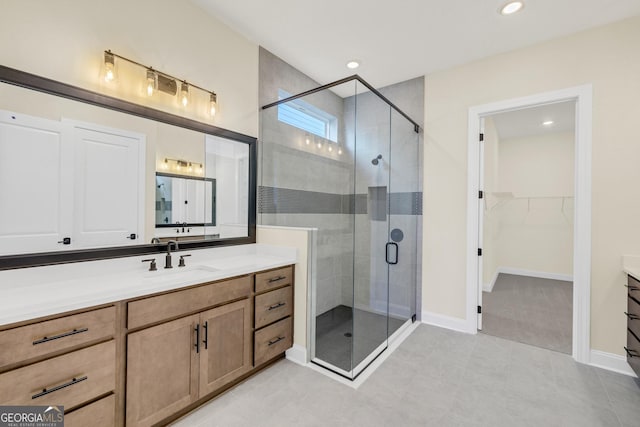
36, 174
107, 202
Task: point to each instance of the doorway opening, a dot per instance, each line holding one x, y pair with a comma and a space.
576, 211
527, 174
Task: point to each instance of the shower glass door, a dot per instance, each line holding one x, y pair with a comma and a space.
405, 208
371, 228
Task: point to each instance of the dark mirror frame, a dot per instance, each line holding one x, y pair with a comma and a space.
213, 199
53, 87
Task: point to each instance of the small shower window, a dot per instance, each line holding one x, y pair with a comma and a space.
307, 117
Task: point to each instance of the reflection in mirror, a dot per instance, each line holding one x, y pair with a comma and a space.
228, 163
86, 177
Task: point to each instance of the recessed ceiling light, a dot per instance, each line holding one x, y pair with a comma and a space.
547, 122
511, 7
353, 64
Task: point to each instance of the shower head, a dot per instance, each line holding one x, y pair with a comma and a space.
375, 161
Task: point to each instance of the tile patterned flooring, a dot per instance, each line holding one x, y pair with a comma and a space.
437, 378
530, 310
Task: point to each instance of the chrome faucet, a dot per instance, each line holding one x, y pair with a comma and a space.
155, 240
167, 262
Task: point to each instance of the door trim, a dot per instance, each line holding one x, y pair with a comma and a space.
582, 95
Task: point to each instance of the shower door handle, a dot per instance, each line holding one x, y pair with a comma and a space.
395, 261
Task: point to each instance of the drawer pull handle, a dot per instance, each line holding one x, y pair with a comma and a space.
66, 334
206, 335
197, 344
631, 353
278, 305
59, 387
277, 340
632, 316
632, 288
277, 279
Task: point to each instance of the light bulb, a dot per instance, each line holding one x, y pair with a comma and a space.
109, 67
190, 168
151, 82
165, 165
213, 104
178, 167
339, 150
307, 140
200, 170
319, 144
330, 148
184, 94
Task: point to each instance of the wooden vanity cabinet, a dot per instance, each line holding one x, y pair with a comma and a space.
68, 360
633, 324
173, 364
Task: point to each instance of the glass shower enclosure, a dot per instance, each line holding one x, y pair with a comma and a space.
344, 160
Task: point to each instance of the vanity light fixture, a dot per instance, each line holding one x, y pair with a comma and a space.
184, 94
109, 66
152, 79
158, 81
213, 104
511, 8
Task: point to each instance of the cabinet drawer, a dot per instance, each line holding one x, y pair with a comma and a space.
633, 352
175, 304
99, 414
273, 279
27, 342
633, 316
272, 340
68, 380
273, 306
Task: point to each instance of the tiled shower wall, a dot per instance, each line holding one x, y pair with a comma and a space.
302, 185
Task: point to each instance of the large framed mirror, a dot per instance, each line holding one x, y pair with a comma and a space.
83, 177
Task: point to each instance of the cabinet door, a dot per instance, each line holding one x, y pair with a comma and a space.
109, 188
35, 184
226, 344
161, 371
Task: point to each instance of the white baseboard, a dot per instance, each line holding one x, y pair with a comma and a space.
610, 362
533, 273
447, 322
488, 287
297, 354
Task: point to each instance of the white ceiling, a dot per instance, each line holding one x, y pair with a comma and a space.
402, 39
528, 121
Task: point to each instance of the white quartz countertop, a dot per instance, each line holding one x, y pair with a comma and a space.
30, 293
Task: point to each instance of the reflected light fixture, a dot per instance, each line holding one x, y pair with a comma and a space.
109, 66
339, 150
319, 144
307, 139
180, 165
353, 64
330, 148
158, 81
511, 7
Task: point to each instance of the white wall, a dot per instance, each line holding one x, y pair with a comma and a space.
606, 57
536, 234
64, 40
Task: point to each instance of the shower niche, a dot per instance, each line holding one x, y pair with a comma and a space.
344, 160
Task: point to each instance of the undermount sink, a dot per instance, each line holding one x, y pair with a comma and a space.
179, 274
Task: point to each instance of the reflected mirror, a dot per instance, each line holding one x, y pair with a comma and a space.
77, 177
